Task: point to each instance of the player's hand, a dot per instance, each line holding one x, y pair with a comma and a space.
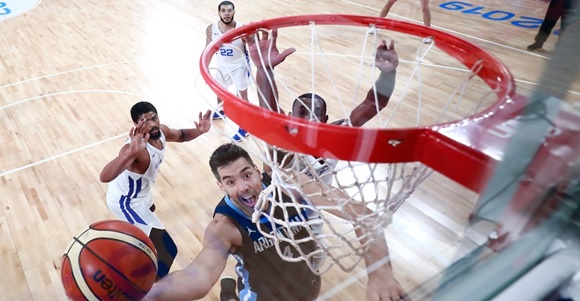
139, 136
264, 51
385, 288
386, 58
204, 123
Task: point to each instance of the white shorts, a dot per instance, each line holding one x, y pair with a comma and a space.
135, 212
237, 76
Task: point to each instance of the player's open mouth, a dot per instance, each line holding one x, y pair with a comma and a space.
249, 201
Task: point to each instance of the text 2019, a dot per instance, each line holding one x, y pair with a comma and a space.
494, 15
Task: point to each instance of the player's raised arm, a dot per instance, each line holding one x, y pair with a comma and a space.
386, 60
129, 154
195, 281
265, 56
182, 135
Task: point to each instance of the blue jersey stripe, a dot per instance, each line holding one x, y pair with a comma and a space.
125, 202
245, 294
122, 206
138, 188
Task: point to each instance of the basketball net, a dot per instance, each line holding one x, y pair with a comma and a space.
378, 176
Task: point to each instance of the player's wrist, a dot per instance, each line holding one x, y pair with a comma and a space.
385, 84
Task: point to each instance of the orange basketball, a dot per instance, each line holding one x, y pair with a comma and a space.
111, 260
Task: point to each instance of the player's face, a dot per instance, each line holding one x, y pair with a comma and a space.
153, 122
227, 14
304, 109
242, 182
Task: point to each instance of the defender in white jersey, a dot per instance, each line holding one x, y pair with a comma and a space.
232, 61
132, 174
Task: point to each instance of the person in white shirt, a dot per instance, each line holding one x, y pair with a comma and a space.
132, 173
232, 61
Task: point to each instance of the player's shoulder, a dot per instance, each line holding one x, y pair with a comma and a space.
223, 226
222, 221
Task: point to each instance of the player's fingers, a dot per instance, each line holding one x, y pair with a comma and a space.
146, 138
207, 114
288, 52
383, 44
141, 127
138, 127
250, 39
274, 34
265, 34
392, 45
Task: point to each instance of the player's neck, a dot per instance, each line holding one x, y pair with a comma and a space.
156, 143
225, 27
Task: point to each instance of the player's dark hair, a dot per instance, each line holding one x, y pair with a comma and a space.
141, 108
226, 3
226, 154
310, 96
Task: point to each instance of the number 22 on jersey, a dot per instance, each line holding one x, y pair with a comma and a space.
226, 52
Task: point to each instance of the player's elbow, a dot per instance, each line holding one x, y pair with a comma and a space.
104, 177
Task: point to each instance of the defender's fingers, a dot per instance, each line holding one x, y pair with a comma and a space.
264, 34
392, 45
383, 45
288, 52
250, 39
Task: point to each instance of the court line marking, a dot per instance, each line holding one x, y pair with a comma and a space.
469, 36
74, 150
454, 32
61, 155
68, 71
71, 92
352, 279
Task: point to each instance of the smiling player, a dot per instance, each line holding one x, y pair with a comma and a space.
263, 273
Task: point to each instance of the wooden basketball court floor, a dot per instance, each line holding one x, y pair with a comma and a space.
71, 71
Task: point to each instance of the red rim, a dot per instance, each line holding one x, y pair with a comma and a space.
442, 147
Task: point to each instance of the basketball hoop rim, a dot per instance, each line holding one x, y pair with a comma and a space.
320, 139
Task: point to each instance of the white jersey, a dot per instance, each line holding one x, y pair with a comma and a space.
324, 168
132, 191
233, 53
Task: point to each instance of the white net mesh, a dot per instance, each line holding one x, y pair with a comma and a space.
337, 62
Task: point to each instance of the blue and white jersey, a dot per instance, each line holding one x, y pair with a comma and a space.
262, 273
132, 191
232, 55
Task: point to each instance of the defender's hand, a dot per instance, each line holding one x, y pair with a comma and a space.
139, 136
386, 58
204, 123
264, 51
